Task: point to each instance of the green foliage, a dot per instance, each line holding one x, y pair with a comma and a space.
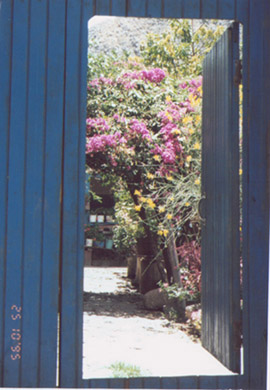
128, 226
174, 291
92, 231
181, 49
123, 370
190, 264
100, 64
114, 93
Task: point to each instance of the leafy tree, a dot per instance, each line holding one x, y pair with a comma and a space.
181, 50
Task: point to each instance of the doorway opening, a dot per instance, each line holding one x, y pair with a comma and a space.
125, 93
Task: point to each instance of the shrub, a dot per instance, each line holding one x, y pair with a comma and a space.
190, 263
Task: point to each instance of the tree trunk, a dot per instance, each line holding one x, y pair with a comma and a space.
171, 261
150, 269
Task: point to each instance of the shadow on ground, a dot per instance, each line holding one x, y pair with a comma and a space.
117, 305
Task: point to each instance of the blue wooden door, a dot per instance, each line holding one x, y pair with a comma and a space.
220, 201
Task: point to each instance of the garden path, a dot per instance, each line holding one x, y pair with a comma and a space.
119, 332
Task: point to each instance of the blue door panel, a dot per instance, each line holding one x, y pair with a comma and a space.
30, 223
52, 192
5, 81
72, 242
16, 195
220, 193
33, 192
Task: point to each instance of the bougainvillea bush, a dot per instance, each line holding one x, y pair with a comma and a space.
144, 129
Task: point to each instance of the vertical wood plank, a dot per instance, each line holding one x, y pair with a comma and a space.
136, 8
136, 383
16, 187
73, 192
245, 167
225, 382
220, 382
242, 11
173, 9
152, 383
188, 382
221, 272
169, 383
33, 205
191, 9
91, 5
103, 7
81, 189
256, 198
226, 9
209, 9
6, 14
207, 162
119, 7
208, 382
98, 383
52, 189
117, 383
154, 9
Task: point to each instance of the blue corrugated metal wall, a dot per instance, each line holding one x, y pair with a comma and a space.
43, 46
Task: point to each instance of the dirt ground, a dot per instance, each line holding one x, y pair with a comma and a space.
120, 332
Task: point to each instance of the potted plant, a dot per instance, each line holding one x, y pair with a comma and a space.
93, 234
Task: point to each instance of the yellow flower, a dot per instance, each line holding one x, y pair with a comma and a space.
197, 146
197, 182
168, 115
189, 158
156, 157
240, 171
197, 119
168, 98
194, 101
171, 198
165, 232
143, 199
138, 207
161, 209
191, 131
136, 192
199, 89
150, 175
187, 204
176, 131
151, 204
169, 216
169, 177
160, 232
187, 120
